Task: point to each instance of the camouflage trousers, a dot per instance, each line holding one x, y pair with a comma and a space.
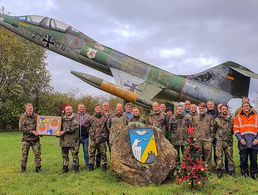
98, 155
102, 148
205, 151
227, 148
75, 155
36, 148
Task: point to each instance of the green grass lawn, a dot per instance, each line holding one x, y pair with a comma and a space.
50, 181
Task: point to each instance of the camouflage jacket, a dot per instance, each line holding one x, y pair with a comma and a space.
164, 113
224, 128
27, 124
157, 120
107, 114
188, 119
176, 128
70, 126
98, 129
204, 127
167, 119
115, 124
214, 113
138, 119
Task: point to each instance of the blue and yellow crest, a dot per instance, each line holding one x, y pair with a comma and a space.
143, 144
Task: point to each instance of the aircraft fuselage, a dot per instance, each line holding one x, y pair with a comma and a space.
75, 45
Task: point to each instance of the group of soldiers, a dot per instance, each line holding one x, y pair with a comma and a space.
214, 128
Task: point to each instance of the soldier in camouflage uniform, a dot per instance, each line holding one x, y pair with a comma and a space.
30, 138
106, 112
98, 137
224, 136
177, 131
156, 118
162, 108
188, 119
211, 109
204, 133
116, 123
136, 116
69, 138
169, 114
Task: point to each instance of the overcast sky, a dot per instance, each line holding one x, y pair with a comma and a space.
183, 37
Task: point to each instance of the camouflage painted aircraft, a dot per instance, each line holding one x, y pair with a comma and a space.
136, 81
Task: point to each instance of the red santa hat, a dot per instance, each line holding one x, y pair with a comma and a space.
67, 105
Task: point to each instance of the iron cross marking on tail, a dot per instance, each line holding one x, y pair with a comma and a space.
132, 87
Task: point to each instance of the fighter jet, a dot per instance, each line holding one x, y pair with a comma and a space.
136, 81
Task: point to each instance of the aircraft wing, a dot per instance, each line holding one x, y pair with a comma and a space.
146, 89
247, 73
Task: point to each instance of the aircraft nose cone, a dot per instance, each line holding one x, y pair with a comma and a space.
95, 81
77, 74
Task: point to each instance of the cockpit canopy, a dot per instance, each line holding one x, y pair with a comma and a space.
45, 22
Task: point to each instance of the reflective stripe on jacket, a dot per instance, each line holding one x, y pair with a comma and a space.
246, 127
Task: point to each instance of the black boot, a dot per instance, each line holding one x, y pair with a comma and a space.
38, 169
91, 167
245, 173
219, 173
97, 164
23, 169
253, 176
104, 168
65, 168
76, 169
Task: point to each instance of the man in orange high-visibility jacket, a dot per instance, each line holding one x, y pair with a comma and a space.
245, 129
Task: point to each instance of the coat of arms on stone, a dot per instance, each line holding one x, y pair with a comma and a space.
143, 144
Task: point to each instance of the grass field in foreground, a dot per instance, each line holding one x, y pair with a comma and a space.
50, 181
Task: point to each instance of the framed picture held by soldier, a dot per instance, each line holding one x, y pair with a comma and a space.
48, 125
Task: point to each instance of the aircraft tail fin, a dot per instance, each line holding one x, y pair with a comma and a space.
229, 76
